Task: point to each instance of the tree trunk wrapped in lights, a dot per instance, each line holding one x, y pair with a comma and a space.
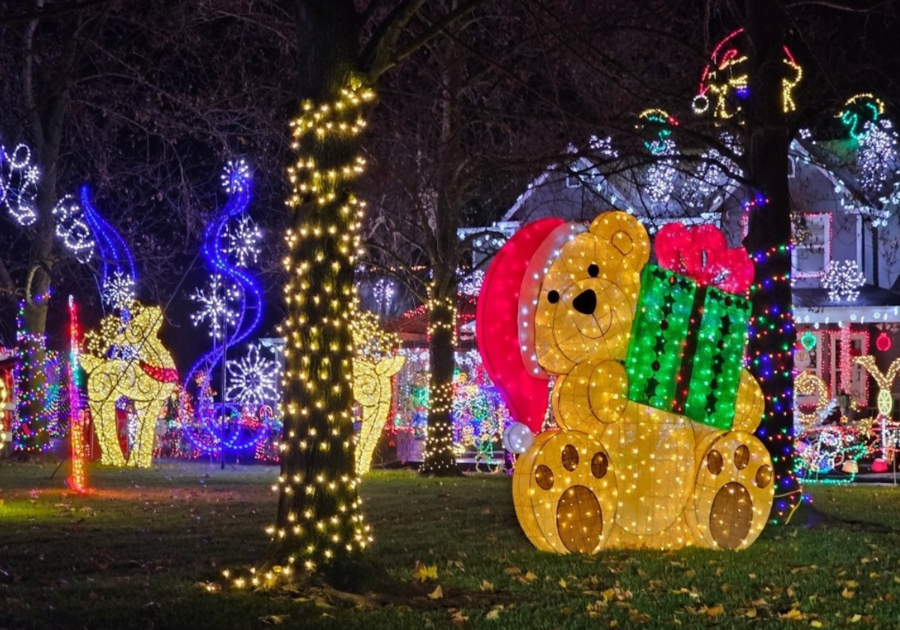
31, 435
319, 514
440, 460
772, 333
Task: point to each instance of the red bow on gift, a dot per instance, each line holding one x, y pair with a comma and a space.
701, 253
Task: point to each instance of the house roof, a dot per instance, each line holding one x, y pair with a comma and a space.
413, 324
874, 304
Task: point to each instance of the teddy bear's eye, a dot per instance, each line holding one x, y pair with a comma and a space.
593, 271
553, 297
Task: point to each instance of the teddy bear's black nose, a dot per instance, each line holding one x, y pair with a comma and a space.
585, 302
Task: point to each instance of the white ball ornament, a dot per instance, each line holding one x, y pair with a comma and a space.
517, 438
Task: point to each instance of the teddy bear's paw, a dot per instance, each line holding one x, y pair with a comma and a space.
733, 492
565, 492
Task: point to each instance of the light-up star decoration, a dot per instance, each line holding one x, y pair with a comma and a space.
18, 184
252, 378
216, 305
843, 280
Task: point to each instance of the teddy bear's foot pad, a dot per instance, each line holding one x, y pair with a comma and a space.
565, 492
733, 493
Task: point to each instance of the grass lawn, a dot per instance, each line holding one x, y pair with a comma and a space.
138, 552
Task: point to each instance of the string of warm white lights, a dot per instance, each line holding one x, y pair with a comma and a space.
323, 515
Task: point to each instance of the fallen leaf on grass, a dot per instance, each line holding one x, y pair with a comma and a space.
690, 573
815, 623
562, 583
512, 570
424, 573
457, 618
486, 586
494, 613
847, 593
528, 578
715, 611
793, 613
616, 594
437, 593
274, 620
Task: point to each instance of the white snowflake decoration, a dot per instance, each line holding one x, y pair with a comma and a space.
118, 291
243, 241
215, 305
18, 184
843, 280
603, 146
252, 379
72, 229
706, 186
384, 292
660, 177
235, 176
877, 154
471, 284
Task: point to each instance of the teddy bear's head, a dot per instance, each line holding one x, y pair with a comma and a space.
588, 294
561, 294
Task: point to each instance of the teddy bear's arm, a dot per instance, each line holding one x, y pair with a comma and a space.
592, 392
750, 404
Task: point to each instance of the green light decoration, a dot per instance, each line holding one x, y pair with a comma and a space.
808, 340
687, 346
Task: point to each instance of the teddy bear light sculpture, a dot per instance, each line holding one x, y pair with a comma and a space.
655, 411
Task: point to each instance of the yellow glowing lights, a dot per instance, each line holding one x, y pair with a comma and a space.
618, 473
126, 359
320, 516
885, 382
373, 366
808, 384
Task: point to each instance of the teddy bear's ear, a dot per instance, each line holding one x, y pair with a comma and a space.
626, 234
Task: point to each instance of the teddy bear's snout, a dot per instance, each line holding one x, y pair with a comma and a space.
585, 302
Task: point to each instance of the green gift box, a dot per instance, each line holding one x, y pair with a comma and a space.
687, 348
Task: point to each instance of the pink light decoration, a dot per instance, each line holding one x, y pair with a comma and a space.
883, 342
77, 481
524, 392
701, 253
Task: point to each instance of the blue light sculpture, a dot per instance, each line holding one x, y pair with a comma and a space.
218, 428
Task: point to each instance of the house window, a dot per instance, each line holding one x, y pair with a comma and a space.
811, 254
